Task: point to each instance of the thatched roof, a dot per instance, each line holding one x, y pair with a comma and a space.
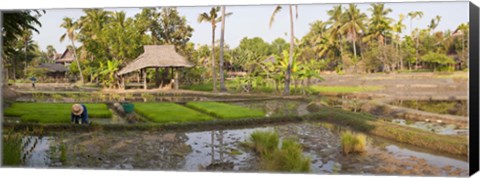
53, 67
67, 56
156, 56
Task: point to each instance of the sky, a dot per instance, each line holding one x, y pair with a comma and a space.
252, 21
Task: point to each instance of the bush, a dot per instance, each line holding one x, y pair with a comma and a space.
353, 143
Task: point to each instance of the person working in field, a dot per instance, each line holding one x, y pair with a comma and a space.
79, 114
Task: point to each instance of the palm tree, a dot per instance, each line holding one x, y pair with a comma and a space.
398, 28
336, 20
414, 15
380, 28
51, 52
26, 38
71, 26
434, 23
213, 19
222, 41
292, 38
354, 25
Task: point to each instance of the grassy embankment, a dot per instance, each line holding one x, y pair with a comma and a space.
52, 112
367, 123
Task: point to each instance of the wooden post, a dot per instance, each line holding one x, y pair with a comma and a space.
176, 79
144, 78
123, 82
157, 81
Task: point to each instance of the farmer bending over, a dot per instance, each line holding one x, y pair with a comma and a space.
79, 114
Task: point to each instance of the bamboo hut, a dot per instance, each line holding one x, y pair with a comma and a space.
66, 58
156, 56
56, 71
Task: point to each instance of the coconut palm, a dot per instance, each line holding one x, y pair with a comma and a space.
414, 15
379, 24
397, 28
213, 19
334, 35
434, 23
222, 41
292, 43
354, 25
70, 28
51, 52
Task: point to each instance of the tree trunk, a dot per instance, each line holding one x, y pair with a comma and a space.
25, 72
214, 75
290, 61
416, 54
78, 63
222, 38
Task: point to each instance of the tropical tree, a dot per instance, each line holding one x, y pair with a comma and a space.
434, 23
414, 15
353, 26
51, 52
222, 41
70, 33
292, 43
213, 18
397, 28
379, 29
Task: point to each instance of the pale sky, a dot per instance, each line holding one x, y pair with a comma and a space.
252, 21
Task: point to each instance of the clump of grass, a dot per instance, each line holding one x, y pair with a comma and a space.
57, 97
353, 143
263, 142
63, 153
169, 113
12, 149
226, 111
288, 158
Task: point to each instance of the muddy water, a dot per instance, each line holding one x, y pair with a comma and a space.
193, 151
438, 128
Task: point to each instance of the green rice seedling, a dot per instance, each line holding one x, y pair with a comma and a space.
53, 112
226, 111
169, 113
57, 97
263, 142
289, 158
12, 149
63, 153
353, 143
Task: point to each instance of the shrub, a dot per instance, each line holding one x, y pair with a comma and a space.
353, 143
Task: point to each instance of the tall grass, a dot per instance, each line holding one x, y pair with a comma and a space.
264, 142
288, 158
353, 143
12, 149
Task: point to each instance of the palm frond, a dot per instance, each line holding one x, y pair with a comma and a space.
272, 18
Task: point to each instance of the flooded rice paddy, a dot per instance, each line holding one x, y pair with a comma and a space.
197, 151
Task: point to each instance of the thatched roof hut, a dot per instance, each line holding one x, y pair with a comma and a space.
53, 67
67, 57
156, 56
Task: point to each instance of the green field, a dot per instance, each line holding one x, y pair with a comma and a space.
225, 111
169, 113
53, 112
